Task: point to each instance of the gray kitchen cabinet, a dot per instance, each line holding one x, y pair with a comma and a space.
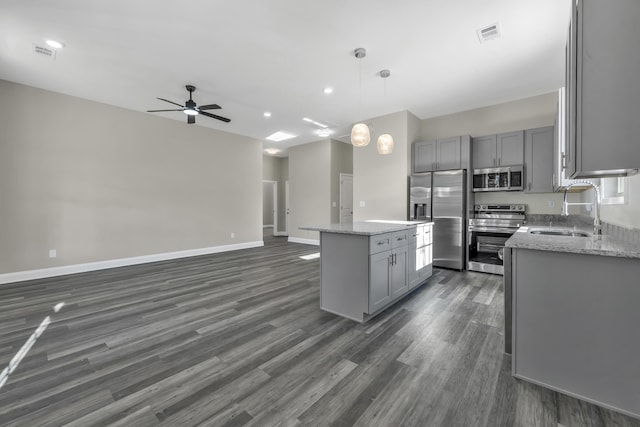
510, 148
603, 89
362, 274
448, 153
420, 255
484, 151
424, 156
441, 154
379, 280
388, 277
575, 325
538, 160
505, 149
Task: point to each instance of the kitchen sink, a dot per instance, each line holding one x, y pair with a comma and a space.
551, 232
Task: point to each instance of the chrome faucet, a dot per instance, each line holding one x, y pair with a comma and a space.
597, 228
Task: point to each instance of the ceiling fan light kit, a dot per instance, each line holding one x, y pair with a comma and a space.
191, 109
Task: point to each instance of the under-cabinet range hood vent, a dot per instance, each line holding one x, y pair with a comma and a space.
44, 51
489, 33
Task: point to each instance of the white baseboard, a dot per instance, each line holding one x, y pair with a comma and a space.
304, 241
21, 276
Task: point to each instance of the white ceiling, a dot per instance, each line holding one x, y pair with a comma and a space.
278, 55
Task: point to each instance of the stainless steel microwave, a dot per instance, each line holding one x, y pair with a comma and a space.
505, 178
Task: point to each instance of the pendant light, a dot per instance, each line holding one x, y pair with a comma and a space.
385, 141
360, 134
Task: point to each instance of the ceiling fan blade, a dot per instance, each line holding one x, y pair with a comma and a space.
209, 107
171, 102
213, 116
157, 111
191, 119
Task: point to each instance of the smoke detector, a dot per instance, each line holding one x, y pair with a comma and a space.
489, 33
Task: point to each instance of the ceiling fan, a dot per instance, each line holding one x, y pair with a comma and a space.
191, 109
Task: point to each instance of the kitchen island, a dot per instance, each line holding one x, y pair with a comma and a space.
368, 265
575, 315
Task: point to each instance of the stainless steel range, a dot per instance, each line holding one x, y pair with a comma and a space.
489, 229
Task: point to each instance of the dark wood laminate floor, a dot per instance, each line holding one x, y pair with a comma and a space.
237, 339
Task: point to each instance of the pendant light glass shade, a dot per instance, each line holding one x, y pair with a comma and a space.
360, 135
385, 144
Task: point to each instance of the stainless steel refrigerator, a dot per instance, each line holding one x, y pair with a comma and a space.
444, 204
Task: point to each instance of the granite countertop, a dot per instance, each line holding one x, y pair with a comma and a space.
365, 228
593, 245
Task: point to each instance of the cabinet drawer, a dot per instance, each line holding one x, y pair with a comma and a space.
400, 238
380, 243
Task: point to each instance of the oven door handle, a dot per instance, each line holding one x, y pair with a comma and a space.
493, 229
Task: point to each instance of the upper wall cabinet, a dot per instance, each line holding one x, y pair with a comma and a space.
441, 154
603, 89
505, 149
538, 160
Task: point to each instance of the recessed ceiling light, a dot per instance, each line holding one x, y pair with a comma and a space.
324, 132
55, 44
272, 151
280, 136
327, 90
267, 114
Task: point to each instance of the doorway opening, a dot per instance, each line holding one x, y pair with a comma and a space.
269, 207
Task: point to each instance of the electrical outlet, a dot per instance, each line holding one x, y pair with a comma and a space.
233, 235
53, 253
362, 204
334, 204
552, 203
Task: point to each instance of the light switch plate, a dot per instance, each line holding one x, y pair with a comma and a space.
362, 203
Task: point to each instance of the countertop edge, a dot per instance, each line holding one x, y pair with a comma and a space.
603, 245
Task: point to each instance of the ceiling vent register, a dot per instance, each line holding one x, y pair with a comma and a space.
44, 51
489, 33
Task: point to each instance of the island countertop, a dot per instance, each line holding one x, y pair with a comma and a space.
365, 228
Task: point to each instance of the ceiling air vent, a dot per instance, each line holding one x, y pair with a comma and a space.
488, 33
44, 51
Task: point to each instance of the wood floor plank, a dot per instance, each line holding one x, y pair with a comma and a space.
237, 338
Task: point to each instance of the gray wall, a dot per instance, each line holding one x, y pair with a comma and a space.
98, 182
310, 188
380, 181
341, 162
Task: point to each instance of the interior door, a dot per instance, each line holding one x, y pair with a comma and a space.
346, 198
286, 208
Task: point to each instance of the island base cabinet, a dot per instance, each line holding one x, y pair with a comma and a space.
576, 325
344, 274
380, 285
361, 275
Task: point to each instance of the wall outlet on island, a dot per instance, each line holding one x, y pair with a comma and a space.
53, 253
233, 235
362, 204
552, 203
334, 204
